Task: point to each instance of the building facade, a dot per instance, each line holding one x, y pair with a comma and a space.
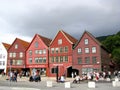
89, 55
17, 56
61, 54
37, 55
3, 56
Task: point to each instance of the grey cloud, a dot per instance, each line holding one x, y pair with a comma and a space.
74, 19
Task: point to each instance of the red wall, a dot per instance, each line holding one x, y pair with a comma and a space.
64, 65
82, 45
32, 47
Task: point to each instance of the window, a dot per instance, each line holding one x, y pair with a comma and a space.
40, 60
30, 60
16, 46
21, 54
3, 56
36, 51
36, 44
59, 41
86, 50
56, 50
61, 49
94, 60
3, 62
93, 49
79, 50
52, 59
14, 54
52, 50
44, 51
56, 59
61, 58
40, 51
30, 52
10, 54
87, 60
44, 60
0, 56
36, 60
66, 49
79, 60
86, 41
13, 62
19, 62
66, 58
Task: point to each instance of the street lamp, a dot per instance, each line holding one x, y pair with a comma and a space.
10, 70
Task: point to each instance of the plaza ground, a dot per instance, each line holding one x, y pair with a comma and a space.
24, 84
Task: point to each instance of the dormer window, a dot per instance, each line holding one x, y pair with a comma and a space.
16, 46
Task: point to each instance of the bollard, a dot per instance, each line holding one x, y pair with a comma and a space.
49, 84
91, 84
67, 85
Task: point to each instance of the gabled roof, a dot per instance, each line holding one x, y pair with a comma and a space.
24, 43
45, 40
86, 32
71, 39
6, 45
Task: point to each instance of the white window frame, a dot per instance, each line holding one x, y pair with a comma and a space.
87, 50
44, 51
16, 46
59, 41
21, 54
79, 50
94, 50
86, 41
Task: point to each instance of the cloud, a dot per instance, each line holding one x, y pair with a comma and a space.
46, 17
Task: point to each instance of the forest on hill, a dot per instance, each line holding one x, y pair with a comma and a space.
112, 44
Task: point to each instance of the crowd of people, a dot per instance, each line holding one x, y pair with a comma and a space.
12, 76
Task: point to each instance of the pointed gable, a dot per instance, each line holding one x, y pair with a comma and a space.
6, 45
24, 43
71, 39
90, 35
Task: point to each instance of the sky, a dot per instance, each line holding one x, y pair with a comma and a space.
25, 18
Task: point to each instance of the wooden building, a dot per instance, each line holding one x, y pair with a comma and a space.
89, 55
37, 55
17, 56
61, 54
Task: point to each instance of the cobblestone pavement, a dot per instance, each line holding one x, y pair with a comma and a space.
24, 84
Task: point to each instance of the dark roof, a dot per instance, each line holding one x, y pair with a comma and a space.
45, 40
24, 43
72, 39
6, 45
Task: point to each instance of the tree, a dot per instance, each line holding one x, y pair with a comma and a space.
112, 43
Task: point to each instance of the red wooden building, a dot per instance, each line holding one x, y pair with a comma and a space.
61, 54
89, 55
37, 55
17, 55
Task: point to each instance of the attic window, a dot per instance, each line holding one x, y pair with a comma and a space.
16, 46
59, 41
36, 44
86, 41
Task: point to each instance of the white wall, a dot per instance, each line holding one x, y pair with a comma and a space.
3, 57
